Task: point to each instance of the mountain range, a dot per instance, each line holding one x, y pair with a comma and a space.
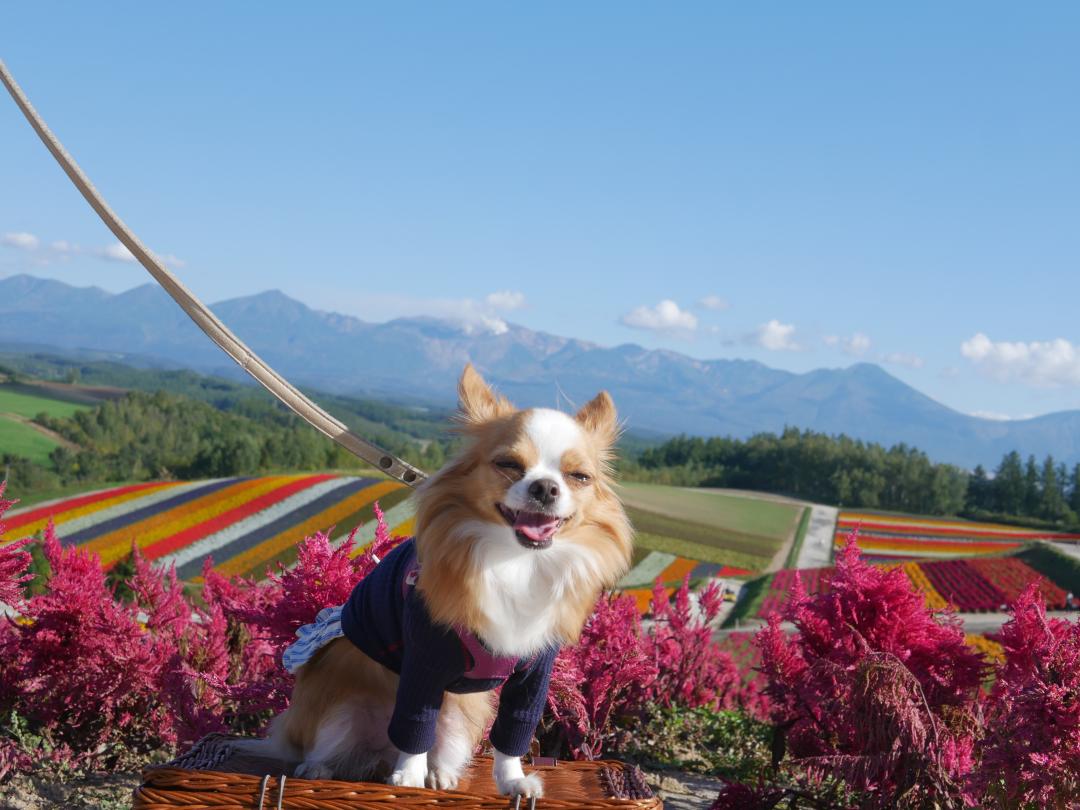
418, 359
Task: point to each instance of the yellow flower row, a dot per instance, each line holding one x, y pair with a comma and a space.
114, 545
259, 555
68, 515
991, 649
934, 600
848, 520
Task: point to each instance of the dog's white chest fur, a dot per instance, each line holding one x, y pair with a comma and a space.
521, 591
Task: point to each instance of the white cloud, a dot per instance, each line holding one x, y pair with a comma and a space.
496, 326
714, 302
1046, 364
999, 417
903, 359
115, 252
505, 300
776, 337
857, 345
62, 250
20, 240
664, 317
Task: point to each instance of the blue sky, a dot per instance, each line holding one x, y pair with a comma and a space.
807, 185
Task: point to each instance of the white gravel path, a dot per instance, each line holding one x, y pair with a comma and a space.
817, 547
1072, 549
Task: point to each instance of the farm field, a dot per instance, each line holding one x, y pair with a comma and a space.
23, 440
745, 532
972, 585
747, 514
898, 537
246, 524
23, 401
705, 535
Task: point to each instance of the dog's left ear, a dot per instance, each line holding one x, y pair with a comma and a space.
599, 418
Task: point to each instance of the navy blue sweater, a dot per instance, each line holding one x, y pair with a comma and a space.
386, 618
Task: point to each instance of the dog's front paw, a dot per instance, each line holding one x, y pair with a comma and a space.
511, 779
409, 771
407, 779
441, 778
531, 786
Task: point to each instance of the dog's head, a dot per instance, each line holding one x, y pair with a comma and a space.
541, 472
529, 497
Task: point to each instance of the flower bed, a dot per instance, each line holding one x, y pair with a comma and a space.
670, 571
969, 586
248, 524
898, 536
157, 669
878, 703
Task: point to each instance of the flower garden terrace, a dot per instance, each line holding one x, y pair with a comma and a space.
249, 525
160, 670
978, 584
887, 537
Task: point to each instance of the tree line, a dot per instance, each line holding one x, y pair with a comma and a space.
206, 427
143, 436
856, 474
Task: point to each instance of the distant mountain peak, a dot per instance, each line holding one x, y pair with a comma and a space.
419, 358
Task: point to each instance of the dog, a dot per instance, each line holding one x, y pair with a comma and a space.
516, 537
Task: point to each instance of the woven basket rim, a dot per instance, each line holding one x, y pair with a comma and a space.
176, 785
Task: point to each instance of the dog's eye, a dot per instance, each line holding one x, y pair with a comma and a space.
580, 477
510, 465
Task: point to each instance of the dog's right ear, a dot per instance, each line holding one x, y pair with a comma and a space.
478, 402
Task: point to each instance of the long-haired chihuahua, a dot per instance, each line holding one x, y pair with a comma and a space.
516, 537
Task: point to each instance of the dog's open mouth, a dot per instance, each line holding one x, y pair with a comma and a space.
533, 529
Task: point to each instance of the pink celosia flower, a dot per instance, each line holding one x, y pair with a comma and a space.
873, 687
14, 560
1031, 755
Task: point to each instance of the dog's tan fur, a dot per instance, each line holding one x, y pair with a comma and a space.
340, 673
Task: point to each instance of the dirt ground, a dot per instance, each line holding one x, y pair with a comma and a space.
106, 791
684, 791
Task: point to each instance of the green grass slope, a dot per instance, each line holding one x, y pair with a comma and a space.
19, 439
743, 531
17, 400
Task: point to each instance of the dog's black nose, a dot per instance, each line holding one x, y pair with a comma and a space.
544, 491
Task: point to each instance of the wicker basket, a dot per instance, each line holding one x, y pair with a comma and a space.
213, 777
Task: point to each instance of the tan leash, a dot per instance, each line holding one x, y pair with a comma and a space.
204, 318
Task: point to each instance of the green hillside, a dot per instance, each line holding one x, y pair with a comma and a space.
20, 439
25, 401
713, 527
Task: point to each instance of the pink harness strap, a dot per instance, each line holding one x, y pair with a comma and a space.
481, 664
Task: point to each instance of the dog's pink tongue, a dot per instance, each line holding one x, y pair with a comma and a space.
537, 527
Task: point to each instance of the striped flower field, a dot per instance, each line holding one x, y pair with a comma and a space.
974, 585
246, 524
899, 537
671, 570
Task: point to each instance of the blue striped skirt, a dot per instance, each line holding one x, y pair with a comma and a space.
310, 637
